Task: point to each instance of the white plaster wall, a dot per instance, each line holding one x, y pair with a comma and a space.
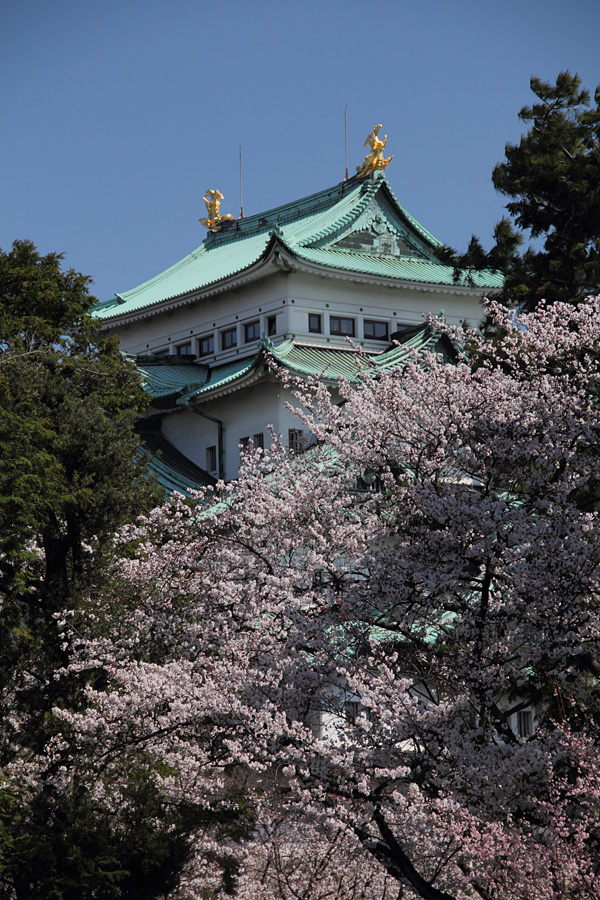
291, 297
191, 434
406, 305
243, 414
166, 330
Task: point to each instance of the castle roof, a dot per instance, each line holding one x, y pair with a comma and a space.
356, 228
173, 381
173, 470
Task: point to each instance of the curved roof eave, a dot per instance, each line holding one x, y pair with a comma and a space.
247, 373
314, 361
244, 275
238, 255
300, 259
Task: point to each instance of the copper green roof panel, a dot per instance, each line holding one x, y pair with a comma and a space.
173, 478
304, 216
323, 361
168, 376
314, 226
220, 376
223, 374
338, 363
239, 245
205, 266
174, 471
182, 384
405, 268
416, 341
320, 219
328, 362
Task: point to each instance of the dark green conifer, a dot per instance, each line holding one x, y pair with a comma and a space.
552, 180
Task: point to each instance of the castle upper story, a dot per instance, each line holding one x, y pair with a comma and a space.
312, 285
346, 263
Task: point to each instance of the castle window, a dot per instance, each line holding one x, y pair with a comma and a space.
244, 444
211, 459
207, 345
524, 723
341, 325
251, 331
352, 710
368, 481
229, 338
376, 330
271, 325
258, 439
295, 440
185, 349
314, 323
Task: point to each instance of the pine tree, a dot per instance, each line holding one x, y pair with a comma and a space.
552, 180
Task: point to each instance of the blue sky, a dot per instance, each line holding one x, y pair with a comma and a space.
118, 115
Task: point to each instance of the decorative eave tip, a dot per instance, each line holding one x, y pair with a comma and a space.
214, 221
374, 161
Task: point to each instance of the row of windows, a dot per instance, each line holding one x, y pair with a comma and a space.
228, 338
346, 326
297, 441
258, 440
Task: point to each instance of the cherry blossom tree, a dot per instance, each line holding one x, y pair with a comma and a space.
390, 641
292, 858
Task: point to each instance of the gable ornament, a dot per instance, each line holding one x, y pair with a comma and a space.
214, 221
375, 160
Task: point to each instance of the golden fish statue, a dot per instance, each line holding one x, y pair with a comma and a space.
374, 161
214, 221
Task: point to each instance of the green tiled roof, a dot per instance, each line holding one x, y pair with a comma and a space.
204, 267
185, 386
418, 340
174, 471
166, 377
309, 230
301, 359
336, 363
224, 374
404, 268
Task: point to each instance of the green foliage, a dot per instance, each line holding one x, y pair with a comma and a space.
71, 473
68, 404
65, 847
552, 178
70, 470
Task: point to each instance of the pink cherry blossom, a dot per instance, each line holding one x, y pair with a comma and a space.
402, 680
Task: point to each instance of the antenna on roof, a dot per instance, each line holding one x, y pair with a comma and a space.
241, 198
346, 138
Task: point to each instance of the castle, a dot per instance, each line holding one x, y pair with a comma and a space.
303, 286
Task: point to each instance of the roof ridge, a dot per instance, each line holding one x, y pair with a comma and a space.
416, 225
293, 210
371, 187
328, 347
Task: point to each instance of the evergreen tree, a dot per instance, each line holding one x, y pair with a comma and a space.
552, 178
71, 472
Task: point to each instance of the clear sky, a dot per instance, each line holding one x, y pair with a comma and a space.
118, 115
